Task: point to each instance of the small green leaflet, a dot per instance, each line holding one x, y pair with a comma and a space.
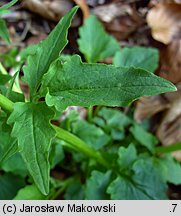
92, 135
146, 183
81, 84
126, 156
143, 137
138, 57
4, 31
34, 133
172, 169
96, 185
47, 51
94, 42
113, 122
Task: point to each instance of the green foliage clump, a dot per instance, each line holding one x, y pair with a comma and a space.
110, 156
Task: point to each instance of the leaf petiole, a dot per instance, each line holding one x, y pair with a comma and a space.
6, 104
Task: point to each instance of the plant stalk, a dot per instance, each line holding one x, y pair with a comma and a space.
80, 145
168, 149
6, 104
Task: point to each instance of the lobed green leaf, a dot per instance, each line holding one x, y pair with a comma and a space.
96, 185
94, 42
80, 84
143, 137
142, 185
126, 156
34, 133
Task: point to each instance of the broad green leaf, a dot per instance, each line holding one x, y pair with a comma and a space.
143, 137
94, 42
126, 156
8, 5
138, 57
34, 133
80, 84
47, 51
146, 183
96, 186
29, 192
4, 31
16, 165
92, 135
9, 186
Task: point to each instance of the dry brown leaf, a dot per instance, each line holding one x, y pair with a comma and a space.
165, 22
49, 9
169, 131
173, 96
169, 128
170, 62
119, 19
108, 13
154, 2
147, 107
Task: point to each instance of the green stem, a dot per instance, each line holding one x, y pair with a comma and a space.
6, 104
168, 149
62, 134
80, 145
90, 113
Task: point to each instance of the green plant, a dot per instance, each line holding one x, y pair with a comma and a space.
114, 165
